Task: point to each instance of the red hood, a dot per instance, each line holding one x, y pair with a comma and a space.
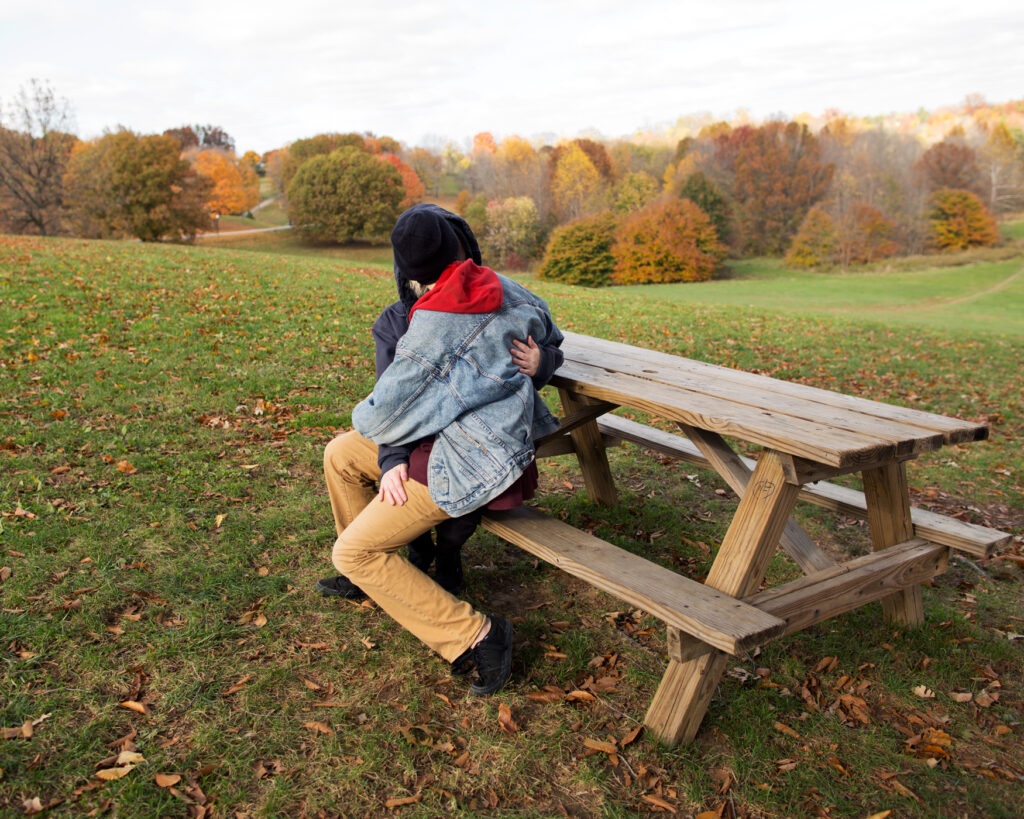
464, 287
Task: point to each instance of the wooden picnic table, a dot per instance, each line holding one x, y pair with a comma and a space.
807, 435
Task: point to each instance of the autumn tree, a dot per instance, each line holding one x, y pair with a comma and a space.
512, 232
670, 240
254, 161
35, 145
634, 191
123, 184
234, 186
414, 189
1003, 167
951, 164
814, 244
344, 195
959, 220
428, 167
576, 186
581, 252
705, 195
775, 174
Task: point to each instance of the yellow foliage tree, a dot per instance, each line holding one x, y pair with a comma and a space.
235, 186
576, 185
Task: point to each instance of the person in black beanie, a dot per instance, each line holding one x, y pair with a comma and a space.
423, 238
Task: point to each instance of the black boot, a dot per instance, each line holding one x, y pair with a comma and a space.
449, 570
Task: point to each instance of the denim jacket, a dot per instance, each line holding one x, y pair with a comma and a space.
453, 378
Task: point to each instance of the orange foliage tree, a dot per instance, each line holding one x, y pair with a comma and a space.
668, 241
414, 188
959, 220
234, 186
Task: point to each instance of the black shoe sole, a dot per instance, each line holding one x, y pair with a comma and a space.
326, 589
506, 671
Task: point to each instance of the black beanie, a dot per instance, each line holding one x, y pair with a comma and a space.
424, 244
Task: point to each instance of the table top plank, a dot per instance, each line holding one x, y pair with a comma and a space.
764, 390
796, 436
907, 438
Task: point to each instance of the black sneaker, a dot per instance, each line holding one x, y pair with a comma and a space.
340, 586
493, 659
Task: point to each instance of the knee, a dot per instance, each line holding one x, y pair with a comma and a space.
347, 558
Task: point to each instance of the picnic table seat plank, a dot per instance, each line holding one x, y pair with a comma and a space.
970, 538
953, 430
710, 615
909, 439
797, 436
841, 588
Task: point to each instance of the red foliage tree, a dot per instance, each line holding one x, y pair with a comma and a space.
414, 188
775, 173
951, 164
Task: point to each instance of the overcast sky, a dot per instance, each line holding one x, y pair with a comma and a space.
425, 72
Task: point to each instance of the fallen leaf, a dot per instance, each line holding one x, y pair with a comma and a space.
398, 801
580, 695
961, 696
630, 738
658, 802
1002, 730
238, 686
5, 572
367, 643
319, 728
924, 692
600, 745
167, 780
885, 814
781, 727
260, 620
219, 520
263, 571
130, 758
985, 699
108, 774
546, 696
134, 706
33, 805
903, 790
508, 725
127, 468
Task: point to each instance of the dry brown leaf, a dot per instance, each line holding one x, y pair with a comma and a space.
508, 725
709, 814
167, 780
579, 695
130, 758
5, 573
33, 805
985, 699
1002, 730
781, 727
108, 774
658, 802
318, 727
133, 705
903, 790
127, 468
238, 686
546, 696
600, 745
263, 571
630, 738
260, 620
367, 643
885, 814
219, 520
961, 696
398, 801
924, 692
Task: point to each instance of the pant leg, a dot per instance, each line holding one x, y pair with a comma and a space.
366, 549
351, 472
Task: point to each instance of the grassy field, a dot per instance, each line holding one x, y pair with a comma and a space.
163, 412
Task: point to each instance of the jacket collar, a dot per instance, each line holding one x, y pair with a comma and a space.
464, 287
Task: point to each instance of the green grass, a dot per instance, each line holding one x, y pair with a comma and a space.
987, 296
163, 411
1013, 229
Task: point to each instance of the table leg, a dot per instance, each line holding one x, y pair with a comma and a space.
686, 689
888, 508
590, 450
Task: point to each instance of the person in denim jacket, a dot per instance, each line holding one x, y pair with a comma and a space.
538, 362
453, 383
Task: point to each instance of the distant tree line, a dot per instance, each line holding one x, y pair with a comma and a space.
592, 211
121, 184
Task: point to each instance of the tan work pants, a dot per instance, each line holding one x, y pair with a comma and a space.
371, 531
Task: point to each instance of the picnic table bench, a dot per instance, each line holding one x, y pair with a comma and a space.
807, 435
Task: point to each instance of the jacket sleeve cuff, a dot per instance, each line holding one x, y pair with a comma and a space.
551, 359
388, 457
